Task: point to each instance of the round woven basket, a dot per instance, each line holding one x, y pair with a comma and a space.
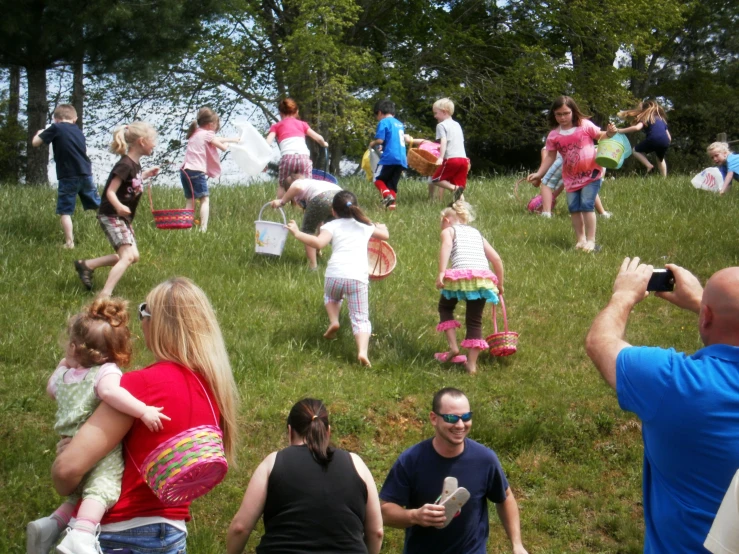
176, 218
503, 343
422, 161
380, 258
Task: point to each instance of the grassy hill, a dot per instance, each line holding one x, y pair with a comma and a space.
572, 457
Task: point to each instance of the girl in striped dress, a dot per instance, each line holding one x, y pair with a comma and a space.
469, 279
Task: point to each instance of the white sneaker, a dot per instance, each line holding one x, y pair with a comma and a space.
41, 535
548, 215
79, 542
606, 215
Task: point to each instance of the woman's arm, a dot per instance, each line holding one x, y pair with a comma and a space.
447, 241
320, 241
111, 392
318, 138
105, 428
495, 259
634, 128
373, 519
380, 231
252, 507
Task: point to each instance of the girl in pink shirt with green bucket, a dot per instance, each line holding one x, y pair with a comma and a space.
573, 135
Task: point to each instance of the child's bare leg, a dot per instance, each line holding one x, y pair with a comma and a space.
451, 338
204, 213
127, 254
444, 185
435, 191
362, 340
662, 166
643, 160
546, 199
311, 254
66, 222
280, 192
590, 221
471, 364
578, 225
190, 204
332, 309
102, 261
599, 205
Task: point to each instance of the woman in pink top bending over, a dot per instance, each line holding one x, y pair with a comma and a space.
573, 136
202, 161
291, 133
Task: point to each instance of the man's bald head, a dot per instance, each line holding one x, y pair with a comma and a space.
719, 320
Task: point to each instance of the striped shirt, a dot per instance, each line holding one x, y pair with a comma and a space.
468, 249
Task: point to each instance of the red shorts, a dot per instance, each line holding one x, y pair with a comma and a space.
453, 170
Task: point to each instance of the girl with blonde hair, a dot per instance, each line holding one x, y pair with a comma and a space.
192, 381
469, 279
651, 118
120, 199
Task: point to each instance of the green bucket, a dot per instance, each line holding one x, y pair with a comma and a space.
609, 153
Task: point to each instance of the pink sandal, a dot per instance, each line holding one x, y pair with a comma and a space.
443, 357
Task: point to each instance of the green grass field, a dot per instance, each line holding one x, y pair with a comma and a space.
572, 456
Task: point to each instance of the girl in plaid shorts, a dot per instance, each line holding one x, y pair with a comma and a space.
291, 133
347, 273
120, 198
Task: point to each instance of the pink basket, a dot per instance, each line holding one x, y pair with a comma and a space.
535, 204
176, 218
504, 343
380, 258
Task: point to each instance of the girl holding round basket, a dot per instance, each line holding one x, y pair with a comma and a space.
192, 381
347, 273
119, 201
99, 342
469, 279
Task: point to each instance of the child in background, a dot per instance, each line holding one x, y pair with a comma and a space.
202, 161
650, 117
469, 279
73, 167
453, 162
553, 186
294, 153
726, 160
573, 136
121, 196
347, 274
391, 138
99, 343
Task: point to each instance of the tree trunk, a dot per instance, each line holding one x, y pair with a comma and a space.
37, 172
78, 91
14, 106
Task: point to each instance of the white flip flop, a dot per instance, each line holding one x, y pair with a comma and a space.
453, 503
450, 485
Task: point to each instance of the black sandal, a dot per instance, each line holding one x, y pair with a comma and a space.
84, 273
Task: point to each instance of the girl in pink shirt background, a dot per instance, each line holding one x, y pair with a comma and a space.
294, 154
202, 161
573, 135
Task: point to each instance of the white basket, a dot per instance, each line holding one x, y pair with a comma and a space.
252, 153
270, 236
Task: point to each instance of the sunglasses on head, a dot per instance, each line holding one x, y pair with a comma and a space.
143, 311
454, 418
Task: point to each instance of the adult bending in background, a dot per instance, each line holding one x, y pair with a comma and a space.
314, 498
192, 381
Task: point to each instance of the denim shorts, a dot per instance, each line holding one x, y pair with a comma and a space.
157, 538
583, 200
199, 183
69, 188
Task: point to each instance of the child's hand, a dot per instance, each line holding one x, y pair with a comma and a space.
123, 211
152, 418
439, 160
611, 130
532, 178
151, 172
277, 203
500, 288
293, 227
440, 280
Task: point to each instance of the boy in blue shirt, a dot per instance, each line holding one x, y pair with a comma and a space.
73, 167
390, 137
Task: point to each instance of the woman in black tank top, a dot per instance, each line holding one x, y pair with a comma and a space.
314, 498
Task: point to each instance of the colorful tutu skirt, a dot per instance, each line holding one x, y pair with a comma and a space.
470, 284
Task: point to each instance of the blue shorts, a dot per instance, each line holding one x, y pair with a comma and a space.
66, 197
157, 538
583, 200
199, 183
553, 178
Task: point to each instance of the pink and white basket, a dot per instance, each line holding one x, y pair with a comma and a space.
503, 343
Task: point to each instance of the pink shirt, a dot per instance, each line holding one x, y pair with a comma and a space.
289, 127
578, 152
201, 155
77, 375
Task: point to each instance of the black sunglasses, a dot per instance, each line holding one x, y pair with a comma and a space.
454, 418
143, 311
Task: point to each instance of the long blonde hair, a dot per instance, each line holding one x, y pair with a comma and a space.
461, 210
184, 330
126, 135
648, 112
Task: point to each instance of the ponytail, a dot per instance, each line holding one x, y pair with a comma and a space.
119, 145
309, 420
345, 206
462, 210
126, 135
192, 128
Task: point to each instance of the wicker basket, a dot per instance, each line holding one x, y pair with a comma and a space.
422, 161
502, 343
381, 259
173, 219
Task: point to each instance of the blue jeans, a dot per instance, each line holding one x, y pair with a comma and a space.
67, 192
583, 200
199, 182
157, 538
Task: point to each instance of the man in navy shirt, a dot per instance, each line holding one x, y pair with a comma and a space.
414, 484
688, 404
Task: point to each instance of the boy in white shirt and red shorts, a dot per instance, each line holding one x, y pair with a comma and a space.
453, 161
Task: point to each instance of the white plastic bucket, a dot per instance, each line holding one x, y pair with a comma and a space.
252, 153
709, 179
270, 236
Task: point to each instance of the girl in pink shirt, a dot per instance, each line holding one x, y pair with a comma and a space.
573, 135
202, 161
291, 133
